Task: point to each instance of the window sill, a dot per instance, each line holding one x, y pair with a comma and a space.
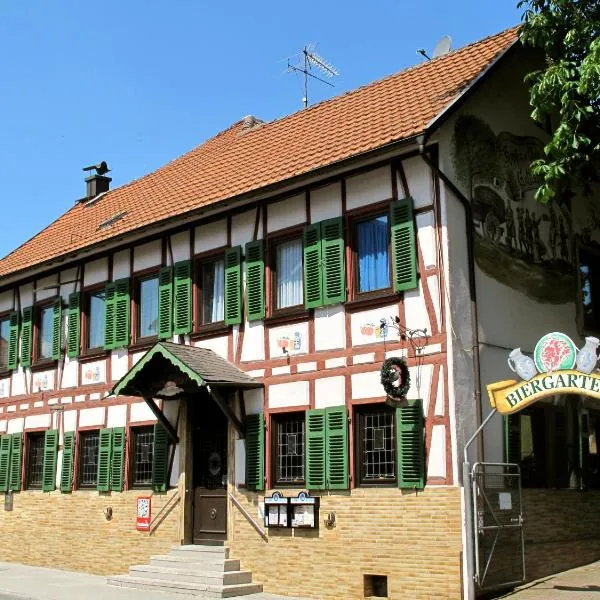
43, 364
93, 354
364, 301
210, 330
143, 344
288, 315
383, 484
4, 373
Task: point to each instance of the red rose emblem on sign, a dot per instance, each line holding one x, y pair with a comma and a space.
554, 353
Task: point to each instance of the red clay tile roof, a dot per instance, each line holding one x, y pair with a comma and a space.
236, 162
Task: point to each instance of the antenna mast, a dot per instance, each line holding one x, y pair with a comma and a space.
309, 59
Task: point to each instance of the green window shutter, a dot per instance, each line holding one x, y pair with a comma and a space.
337, 448
334, 270
122, 307
404, 255
5, 442
160, 458
74, 328
410, 450
233, 286
13, 339
255, 280
16, 449
313, 274
183, 297
50, 455
512, 438
57, 328
66, 472
315, 449
117, 463
109, 316
255, 452
104, 459
26, 336
165, 303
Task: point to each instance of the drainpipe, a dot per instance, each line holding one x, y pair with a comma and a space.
472, 289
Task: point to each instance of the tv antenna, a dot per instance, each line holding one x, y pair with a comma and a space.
441, 48
309, 60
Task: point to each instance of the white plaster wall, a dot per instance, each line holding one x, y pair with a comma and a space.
418, 178
436, 463
121, 265
4, 387
286, 213
6, 301
433, 283
26, 294
365, 325
439, 401
70, 420
42, 380
420, 385
326, 202
294, 393
93, 372
91, 416
240, 462
180, 247
242, 228
95, 271
15, 425
330, 327
117, 416
416, 310
367, 188
147, 255
294, 337
253, 347
18, 381
137, 356
426, 238
366, 385
37, 421
330, 391
118, 363
218, 345
141, 412
69, 283
47, 287
69, 375
254, 401
3, 425
175, 470
210, 236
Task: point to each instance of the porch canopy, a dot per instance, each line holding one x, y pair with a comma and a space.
171, 371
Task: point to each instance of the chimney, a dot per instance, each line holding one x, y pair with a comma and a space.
97, 183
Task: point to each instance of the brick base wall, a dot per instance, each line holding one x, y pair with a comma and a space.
413, 539
70, 531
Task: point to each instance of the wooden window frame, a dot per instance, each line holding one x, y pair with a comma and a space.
138, 341
353, 218
583, 330
25, 456
275, 419
85, 350
132, 432
38, 363
358, 418
199, 329
289, 313
4, 370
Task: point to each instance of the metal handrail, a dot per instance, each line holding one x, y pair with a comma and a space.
159, 517
249, 517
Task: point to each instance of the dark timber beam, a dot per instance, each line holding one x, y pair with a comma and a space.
222, 404
160, 415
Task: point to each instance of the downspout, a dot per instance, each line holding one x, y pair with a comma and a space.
472, 287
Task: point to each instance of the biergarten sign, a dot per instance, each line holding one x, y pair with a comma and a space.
557, 367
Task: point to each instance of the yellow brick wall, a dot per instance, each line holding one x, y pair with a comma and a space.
69, 531
415, 540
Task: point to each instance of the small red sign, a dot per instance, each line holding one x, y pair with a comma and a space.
144, 511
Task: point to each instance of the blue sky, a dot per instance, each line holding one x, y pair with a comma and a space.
139, 82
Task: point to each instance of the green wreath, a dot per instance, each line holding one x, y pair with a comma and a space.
395, 377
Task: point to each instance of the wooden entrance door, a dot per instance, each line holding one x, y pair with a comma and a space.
209, 427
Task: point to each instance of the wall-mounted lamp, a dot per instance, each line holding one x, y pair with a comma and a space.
108, 512
330, 520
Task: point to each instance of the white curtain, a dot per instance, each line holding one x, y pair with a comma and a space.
289, 274
218, 307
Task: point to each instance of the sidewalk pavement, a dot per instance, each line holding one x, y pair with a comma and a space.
22, 582
577, 584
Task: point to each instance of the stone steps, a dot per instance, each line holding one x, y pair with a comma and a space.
203, 570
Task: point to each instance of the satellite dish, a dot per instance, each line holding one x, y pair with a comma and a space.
442, 47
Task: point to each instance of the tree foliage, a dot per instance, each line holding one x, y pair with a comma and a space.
565, 94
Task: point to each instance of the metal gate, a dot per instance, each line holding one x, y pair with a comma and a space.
498, 525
